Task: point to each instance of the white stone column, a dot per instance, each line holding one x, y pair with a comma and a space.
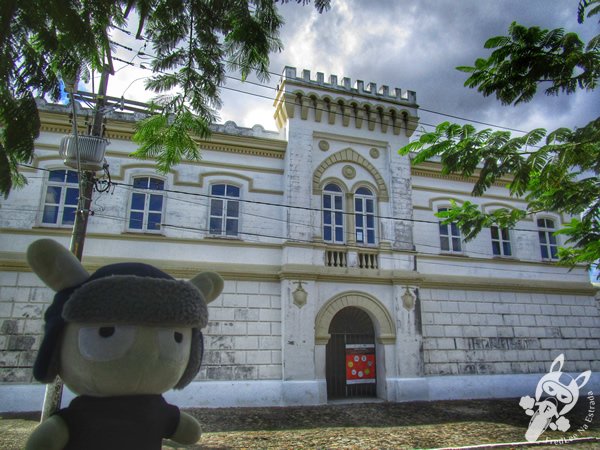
298, 335
408, 334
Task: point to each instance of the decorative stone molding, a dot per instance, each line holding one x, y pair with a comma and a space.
351, 156
349, 172
374, 153
324, 145
384, 326
397, 95
376, 109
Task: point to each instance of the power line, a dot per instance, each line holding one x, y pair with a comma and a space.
131, 187
453, 116
286, 238
336, 113
380, 256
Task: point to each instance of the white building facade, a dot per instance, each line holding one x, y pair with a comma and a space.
395, 305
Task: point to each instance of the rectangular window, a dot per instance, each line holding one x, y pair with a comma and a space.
224, 210
146, 204
62, 195
364, 217
450, 238
548, 244
333, 215
500, 241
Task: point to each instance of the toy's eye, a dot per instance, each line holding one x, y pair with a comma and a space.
174, 343
105, 343
178, 337
106, 332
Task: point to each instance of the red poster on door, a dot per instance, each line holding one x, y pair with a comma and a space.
360, 363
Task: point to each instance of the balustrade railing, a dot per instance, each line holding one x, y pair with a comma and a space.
336, 258
368, 260
362, 259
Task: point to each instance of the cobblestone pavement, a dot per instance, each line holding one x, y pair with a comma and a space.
357, 426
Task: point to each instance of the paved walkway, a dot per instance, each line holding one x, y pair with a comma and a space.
378, 425
357, 426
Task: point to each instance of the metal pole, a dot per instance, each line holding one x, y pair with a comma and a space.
53, 395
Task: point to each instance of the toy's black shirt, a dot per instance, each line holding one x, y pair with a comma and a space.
137, 422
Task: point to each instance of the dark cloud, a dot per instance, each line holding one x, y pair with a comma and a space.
417, 45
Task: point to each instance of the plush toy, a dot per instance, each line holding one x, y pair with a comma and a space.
119, 339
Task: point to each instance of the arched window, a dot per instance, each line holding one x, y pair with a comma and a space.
548, 244
333, 214
146, 207
224, 210
62, 194
364, 216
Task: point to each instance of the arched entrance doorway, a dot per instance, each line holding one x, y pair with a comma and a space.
350, 355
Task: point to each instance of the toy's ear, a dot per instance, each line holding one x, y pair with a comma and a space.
209, 283
582, 379
55, 265
559, 361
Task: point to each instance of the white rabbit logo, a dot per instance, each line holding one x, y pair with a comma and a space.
561, 392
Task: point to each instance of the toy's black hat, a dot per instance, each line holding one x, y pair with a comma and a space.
131, 293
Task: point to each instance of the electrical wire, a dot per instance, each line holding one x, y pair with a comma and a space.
431, 111
381, 257
336, 113
200, 230
131, 187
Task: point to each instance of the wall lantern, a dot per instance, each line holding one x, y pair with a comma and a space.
408, 299
299, 295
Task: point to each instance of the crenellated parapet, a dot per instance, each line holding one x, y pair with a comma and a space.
336, 101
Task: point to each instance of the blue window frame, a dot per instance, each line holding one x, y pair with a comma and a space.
333, 214
146, 206
224, 210
450, 237
548, 244
62, 194
500, 241
364, 216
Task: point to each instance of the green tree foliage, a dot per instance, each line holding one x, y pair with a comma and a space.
557, 171
42, 42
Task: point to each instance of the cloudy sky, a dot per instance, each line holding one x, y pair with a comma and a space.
412, 44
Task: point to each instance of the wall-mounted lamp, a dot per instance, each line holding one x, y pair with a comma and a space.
299, 295
408, 299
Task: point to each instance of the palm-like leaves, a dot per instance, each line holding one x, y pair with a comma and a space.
561, 175
529, 56
43, 41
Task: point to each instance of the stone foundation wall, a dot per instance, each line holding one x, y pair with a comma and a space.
243, 337
482, 332
242, 340
23, 301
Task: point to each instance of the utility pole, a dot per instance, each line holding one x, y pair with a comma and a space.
87, 177
53, 395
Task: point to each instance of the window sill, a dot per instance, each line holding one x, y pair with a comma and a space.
54, 225
220, 237
457, 254
145, 232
